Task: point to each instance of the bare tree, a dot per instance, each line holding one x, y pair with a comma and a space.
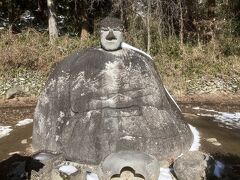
148, 26
52, 25
85, 10
181, 23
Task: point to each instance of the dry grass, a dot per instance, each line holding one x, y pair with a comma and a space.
31, 50
193, 62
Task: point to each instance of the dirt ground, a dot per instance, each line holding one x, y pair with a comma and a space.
19, 102
220, 99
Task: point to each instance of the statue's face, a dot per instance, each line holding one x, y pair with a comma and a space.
111, 38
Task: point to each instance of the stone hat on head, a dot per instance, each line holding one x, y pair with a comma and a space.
111, 22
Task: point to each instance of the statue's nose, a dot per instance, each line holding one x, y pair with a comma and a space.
110, 36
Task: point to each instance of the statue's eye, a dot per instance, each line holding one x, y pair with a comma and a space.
104, 29
117, 29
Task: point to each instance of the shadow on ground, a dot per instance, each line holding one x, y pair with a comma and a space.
232, 165
19, 167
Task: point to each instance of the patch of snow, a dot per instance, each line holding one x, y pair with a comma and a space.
42, 156
12, 153
165, 174
206, 115
230, 119
5, 131
24, 122
68, 169
204, 109
218, 169
196, 108
128, 46
196, 139
91, 176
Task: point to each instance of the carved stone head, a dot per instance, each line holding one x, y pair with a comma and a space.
111, 34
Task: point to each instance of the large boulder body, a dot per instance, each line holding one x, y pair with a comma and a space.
96, 103
194, 165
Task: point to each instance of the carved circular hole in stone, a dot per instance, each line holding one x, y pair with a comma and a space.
127, 173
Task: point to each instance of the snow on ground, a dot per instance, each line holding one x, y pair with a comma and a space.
5, 131
68, 169
91, 176
196, 139
165, 174
231, 120
204, 109
24, 122
42, 156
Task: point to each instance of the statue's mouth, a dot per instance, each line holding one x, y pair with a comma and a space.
111, 41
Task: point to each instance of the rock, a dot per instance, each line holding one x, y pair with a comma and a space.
12, 92
24, 141
194, 165
57, 168
68, 170
96, 103
48, 159
129, 165
214, 141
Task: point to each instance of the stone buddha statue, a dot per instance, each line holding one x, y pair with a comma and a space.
100, 101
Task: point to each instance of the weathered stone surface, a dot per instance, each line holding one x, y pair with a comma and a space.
47, 159
134, 165
57, 168
96, 103
194, 165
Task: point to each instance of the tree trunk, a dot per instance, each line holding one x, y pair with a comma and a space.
11, 14
52, 25
42, 8
85, 22
181, 23
211, 4
148, 27
85, 30
122, 10
160, 20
